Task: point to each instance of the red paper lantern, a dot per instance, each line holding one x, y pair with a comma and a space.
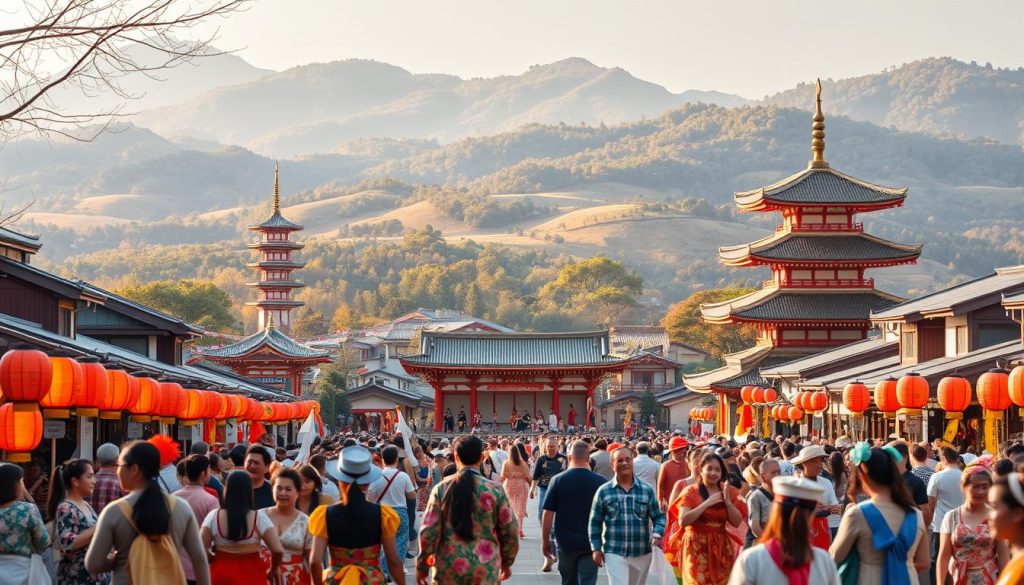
95, 384
225, 406
21, 430
819, 401
65, 383
119, 392
885, 395
993, 390
148, 403
192, 410
25, 375
1015, 386
170, 394
954, 395
746, 394
799, 400
758, 395
856, 397
912, 391
252, 409
769, 395
795, 413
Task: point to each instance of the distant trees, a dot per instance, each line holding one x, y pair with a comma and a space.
684, 324
309, 323
196, 301
330, 392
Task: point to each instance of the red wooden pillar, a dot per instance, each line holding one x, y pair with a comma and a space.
473, 385
555, 385
438, 408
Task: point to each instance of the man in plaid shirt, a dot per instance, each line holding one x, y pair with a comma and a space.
107, 487
620, 523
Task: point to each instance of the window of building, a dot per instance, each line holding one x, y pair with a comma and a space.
993, 333
961, 339
908, 345
66, 322
643, 378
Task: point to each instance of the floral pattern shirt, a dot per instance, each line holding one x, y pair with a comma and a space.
22, 531
478, 561
70, 521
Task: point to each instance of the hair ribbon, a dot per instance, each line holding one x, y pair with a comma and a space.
860, 453
896, 456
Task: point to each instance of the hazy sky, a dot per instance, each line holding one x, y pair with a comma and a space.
749, 47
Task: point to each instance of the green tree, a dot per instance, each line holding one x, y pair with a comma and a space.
330, 389
684, 324
197, 301
598, 288
649, 406
309, 323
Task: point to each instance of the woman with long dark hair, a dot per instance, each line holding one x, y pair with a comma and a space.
702, 549
840, 483
311, 493
74, 521
354, 531
469, 528
887, 533
235, 531
145, 511
516, 477
785, 555
1006, 515
22, 533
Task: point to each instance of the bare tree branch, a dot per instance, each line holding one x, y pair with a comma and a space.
84, 46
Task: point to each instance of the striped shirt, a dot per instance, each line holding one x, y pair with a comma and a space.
620, 520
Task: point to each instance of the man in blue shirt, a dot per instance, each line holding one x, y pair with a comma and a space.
567, 505
621, 516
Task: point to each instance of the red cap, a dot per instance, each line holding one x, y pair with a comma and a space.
614, 446
678, 443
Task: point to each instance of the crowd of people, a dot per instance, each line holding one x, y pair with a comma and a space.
700, 511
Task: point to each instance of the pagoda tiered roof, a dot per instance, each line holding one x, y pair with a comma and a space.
275, 245
269, 340
801, 248
817, 186
800, 306
740, 369
276, 264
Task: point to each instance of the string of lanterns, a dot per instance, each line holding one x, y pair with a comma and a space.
30, 379
703, 413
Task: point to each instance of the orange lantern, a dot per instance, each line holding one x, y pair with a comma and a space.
93, 388
885, 396
758, 395
954, 395
746, 394
856, 397
1015, 387
119, 391
65, 383
819, 401
25, 375
192, 410
795, 413
225, 406
170, 393
769, 395
912, 392
21, 430
252, 409
799, 399
993, 390
148, 402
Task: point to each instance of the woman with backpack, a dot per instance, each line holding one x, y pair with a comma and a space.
143, 528
885, 535
235, 532
74, 522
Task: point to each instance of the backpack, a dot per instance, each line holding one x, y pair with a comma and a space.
152, 560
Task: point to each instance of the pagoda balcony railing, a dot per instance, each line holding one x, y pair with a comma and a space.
616, 389
821, 227
819, 283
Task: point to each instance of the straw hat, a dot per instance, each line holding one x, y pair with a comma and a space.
808, 453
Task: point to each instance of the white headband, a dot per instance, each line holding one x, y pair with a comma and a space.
1015, 488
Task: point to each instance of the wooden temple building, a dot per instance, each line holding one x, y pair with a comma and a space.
270, 356
819, 295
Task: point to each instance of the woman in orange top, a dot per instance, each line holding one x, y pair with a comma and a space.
1006, 515
704, 551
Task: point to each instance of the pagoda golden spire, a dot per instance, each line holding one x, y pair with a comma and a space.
277, 190
818, 132
270, 321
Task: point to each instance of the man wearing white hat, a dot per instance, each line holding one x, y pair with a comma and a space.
812, 459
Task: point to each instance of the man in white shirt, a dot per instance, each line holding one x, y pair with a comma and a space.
499, 453
944, 494
553, 422
644, 468
394, 488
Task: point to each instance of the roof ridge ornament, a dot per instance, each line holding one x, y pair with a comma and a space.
277, 190
270, 321
818, 132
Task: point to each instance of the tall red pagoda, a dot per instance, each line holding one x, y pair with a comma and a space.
819, 295
270, 356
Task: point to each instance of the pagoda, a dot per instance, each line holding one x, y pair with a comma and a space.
818, 296
270, 356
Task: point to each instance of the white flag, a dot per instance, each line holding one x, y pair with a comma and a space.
403, 428
307, 432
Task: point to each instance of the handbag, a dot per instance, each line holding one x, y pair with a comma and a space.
849, 569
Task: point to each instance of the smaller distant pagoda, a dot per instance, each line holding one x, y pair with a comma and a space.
270, 356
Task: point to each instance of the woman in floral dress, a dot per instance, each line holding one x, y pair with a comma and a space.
703, 550
74, 522
423, 477
292, 530
965, 537
22, 532
516, 477
469, 530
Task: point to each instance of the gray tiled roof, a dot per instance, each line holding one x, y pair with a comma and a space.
823, 248
825, 186
1008, 280
513, 349
819, 306
277, 221
270, 337
640, 336
20, 239
968, 364
833, 357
